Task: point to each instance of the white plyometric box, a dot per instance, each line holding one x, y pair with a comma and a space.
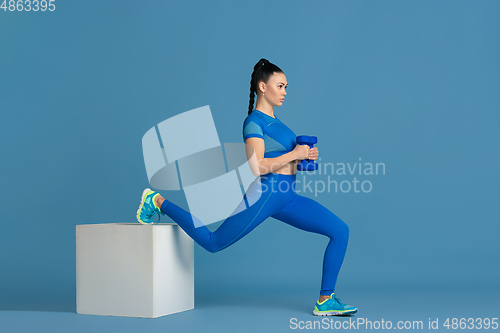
133, 269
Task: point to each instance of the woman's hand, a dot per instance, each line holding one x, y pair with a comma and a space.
303, 152
313, 153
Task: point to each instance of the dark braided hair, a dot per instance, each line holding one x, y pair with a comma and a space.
262, 71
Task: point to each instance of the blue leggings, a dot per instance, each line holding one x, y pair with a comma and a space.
272, 195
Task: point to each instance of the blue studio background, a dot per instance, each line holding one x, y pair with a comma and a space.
411, 84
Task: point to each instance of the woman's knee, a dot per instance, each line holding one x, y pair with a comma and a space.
212, 247
210, 243
346, 229
338, 230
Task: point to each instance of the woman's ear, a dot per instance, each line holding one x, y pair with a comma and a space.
262, 87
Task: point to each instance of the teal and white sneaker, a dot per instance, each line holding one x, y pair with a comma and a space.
148, 209
333, 307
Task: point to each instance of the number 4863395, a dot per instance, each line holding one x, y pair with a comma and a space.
28, 5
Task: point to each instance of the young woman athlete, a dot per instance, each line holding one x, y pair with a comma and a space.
272, 193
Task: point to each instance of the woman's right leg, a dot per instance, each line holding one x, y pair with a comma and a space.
309, 215
234, 227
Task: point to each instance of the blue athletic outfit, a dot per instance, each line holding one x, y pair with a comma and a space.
277, 198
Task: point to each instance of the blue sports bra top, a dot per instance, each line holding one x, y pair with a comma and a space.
278, 138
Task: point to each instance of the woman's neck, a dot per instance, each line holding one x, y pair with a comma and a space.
266, 110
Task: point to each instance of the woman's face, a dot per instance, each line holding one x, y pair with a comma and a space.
274, 90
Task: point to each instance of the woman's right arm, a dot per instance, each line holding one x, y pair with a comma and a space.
259, 165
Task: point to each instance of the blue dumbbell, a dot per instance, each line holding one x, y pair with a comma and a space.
307, 165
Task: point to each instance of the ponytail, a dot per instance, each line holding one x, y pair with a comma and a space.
262, 71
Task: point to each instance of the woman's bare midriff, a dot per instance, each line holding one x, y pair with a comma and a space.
288, 169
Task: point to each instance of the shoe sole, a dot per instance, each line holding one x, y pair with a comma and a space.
335, 313
140, 206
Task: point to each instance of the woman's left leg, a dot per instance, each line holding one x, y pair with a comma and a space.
309, 215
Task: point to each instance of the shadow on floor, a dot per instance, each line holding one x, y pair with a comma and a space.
50, 305
301, 303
